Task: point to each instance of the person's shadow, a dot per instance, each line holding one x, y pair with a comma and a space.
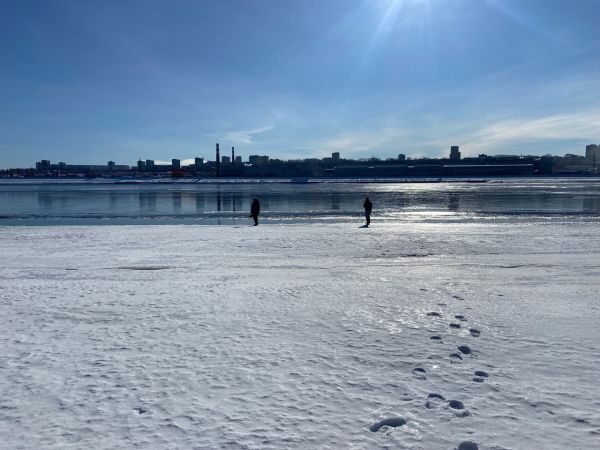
364, 226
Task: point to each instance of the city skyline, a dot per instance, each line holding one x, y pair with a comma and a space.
454, 154
258, 166
91, 82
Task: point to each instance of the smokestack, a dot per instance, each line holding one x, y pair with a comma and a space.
232, 155
218, 161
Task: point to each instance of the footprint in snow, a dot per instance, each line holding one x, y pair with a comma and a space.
456, 404
434, 400
419, 372
480, 376
455, 357
474, 332
436, 396
465, 350
391, 422
455, 325
458, 408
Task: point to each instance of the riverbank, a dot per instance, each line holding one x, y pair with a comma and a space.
300, 336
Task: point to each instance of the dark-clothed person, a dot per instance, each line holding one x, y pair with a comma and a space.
255, 210
368, 208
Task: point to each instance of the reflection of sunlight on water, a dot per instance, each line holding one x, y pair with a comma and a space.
445, 201
420, 212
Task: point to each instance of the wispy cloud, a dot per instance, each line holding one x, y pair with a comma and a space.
246, 136
549, 130
549, 133
362, 142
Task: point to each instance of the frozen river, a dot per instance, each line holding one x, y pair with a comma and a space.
34, 202
301, 336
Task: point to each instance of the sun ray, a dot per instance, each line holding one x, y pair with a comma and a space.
503, 8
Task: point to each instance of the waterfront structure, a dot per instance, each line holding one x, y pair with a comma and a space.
592, 154
43, 165
258, 159
454, 153
263, 166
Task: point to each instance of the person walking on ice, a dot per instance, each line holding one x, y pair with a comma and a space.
255, 210
368, 208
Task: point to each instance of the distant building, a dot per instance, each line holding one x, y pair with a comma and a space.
150, 165
335, 156
87, 168
225, 160
401, 157
592, 153
198, 162
454, 153
238, 160
175, 164
43, 165
141, 166
258, 160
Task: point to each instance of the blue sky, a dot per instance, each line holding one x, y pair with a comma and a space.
91, 81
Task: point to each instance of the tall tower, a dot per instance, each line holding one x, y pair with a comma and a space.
592, 155
232, 155
454, 153
218, 162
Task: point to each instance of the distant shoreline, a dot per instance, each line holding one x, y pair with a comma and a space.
173, 180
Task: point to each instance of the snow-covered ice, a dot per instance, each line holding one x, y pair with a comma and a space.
301, 336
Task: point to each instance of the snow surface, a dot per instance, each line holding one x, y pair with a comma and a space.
300, 336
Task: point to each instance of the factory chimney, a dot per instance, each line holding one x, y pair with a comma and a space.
218, 162
232, 156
